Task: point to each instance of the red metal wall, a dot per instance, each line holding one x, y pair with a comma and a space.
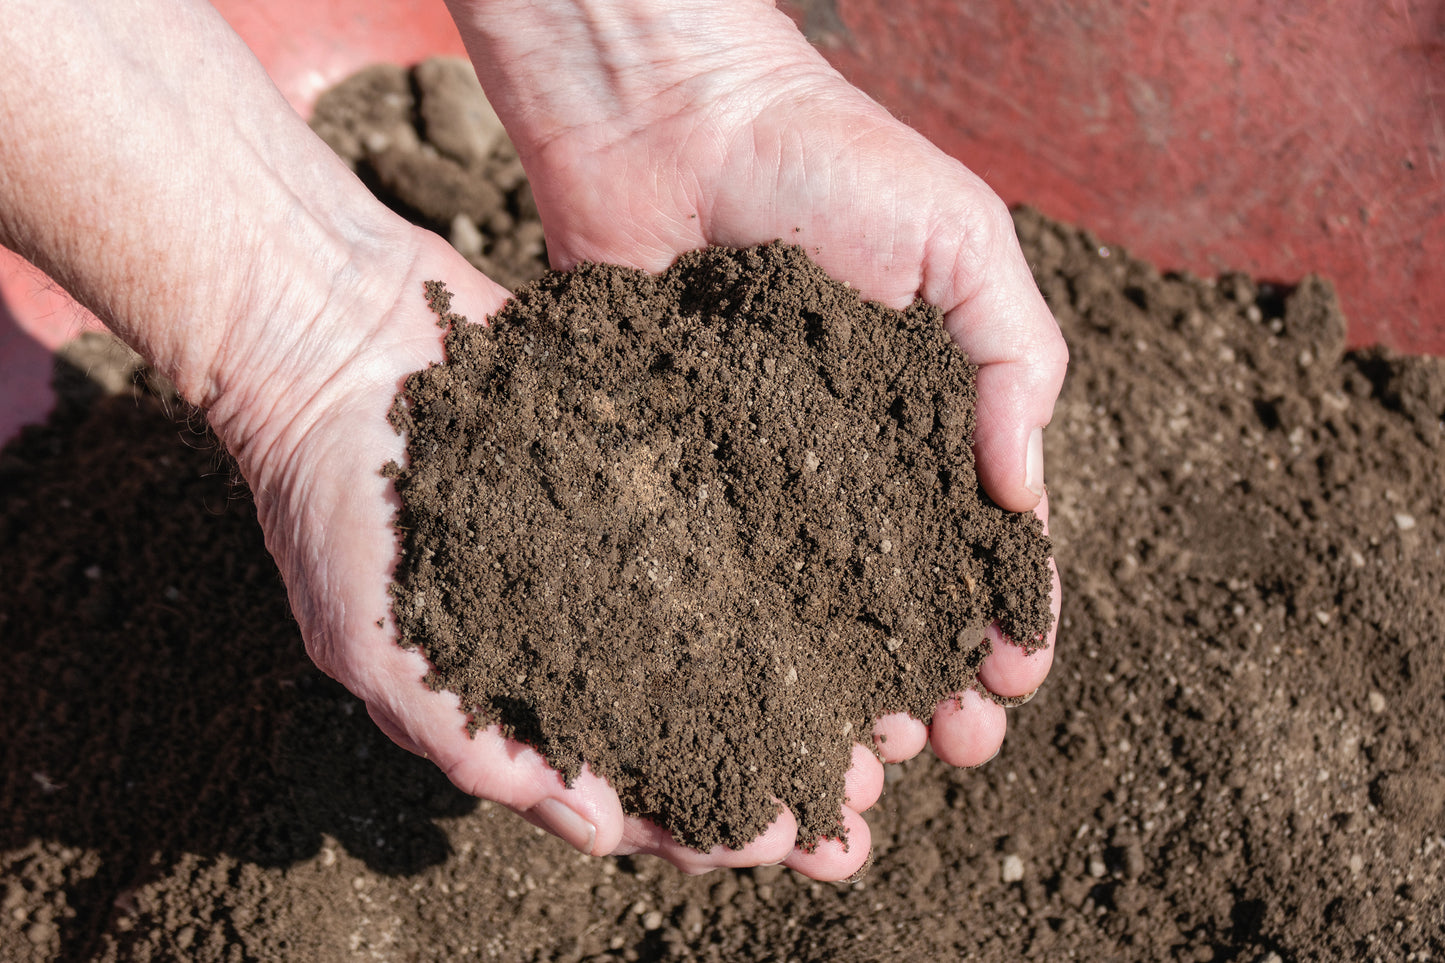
1275, 136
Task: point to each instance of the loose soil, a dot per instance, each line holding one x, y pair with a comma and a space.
700, 531
1240, 754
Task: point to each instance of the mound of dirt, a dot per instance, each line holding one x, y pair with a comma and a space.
700, 531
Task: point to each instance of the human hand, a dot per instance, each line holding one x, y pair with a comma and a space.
187, 205
653, 127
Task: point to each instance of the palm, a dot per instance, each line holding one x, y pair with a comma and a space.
327, 511
874, 204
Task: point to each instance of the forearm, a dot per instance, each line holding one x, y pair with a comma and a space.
148, 165
567, 66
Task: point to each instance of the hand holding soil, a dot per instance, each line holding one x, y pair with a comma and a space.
245, 263
698, 530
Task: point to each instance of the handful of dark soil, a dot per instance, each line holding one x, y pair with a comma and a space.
700, 530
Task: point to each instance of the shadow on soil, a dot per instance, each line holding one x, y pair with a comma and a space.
156, 699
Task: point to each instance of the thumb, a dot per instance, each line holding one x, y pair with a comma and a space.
999, 318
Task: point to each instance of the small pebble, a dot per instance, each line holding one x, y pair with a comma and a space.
1377, 702
1011, 869
1404, 522
652, 921
465, 236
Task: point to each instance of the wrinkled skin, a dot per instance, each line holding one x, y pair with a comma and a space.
159, 177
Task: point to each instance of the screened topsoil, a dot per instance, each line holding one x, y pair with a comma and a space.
699, 531
1239, 755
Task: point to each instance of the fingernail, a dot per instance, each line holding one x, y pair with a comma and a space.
1034, 463
564, 823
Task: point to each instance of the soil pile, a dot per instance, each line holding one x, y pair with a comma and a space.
1239, 756
701, 530
427, 143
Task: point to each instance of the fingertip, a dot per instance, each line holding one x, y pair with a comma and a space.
899, 736
1015, 404
836, 859
593, 799
1009, 457
776, 843
864, 782
564, 822
393, 730
968, 730
1012, 671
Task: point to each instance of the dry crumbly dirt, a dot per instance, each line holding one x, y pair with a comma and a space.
700, 531
1240, 754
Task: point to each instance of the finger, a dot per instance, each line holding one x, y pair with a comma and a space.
864, 782
394, 732
773, 846
1009, 670
1000, 320
968, 731
835, 859
586, 814
899, 736
564, 822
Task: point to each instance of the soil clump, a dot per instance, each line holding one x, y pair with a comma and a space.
1238, 755
427, 143
701, 530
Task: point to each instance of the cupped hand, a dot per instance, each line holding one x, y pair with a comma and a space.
314, 459
204, 223
646, 133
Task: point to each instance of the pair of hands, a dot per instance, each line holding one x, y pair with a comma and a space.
201, 219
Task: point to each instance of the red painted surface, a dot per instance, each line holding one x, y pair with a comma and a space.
308, 45
1279, 137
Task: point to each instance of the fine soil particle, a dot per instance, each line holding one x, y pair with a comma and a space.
700, 530
1239, 755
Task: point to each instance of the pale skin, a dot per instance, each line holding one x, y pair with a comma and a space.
149, 166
